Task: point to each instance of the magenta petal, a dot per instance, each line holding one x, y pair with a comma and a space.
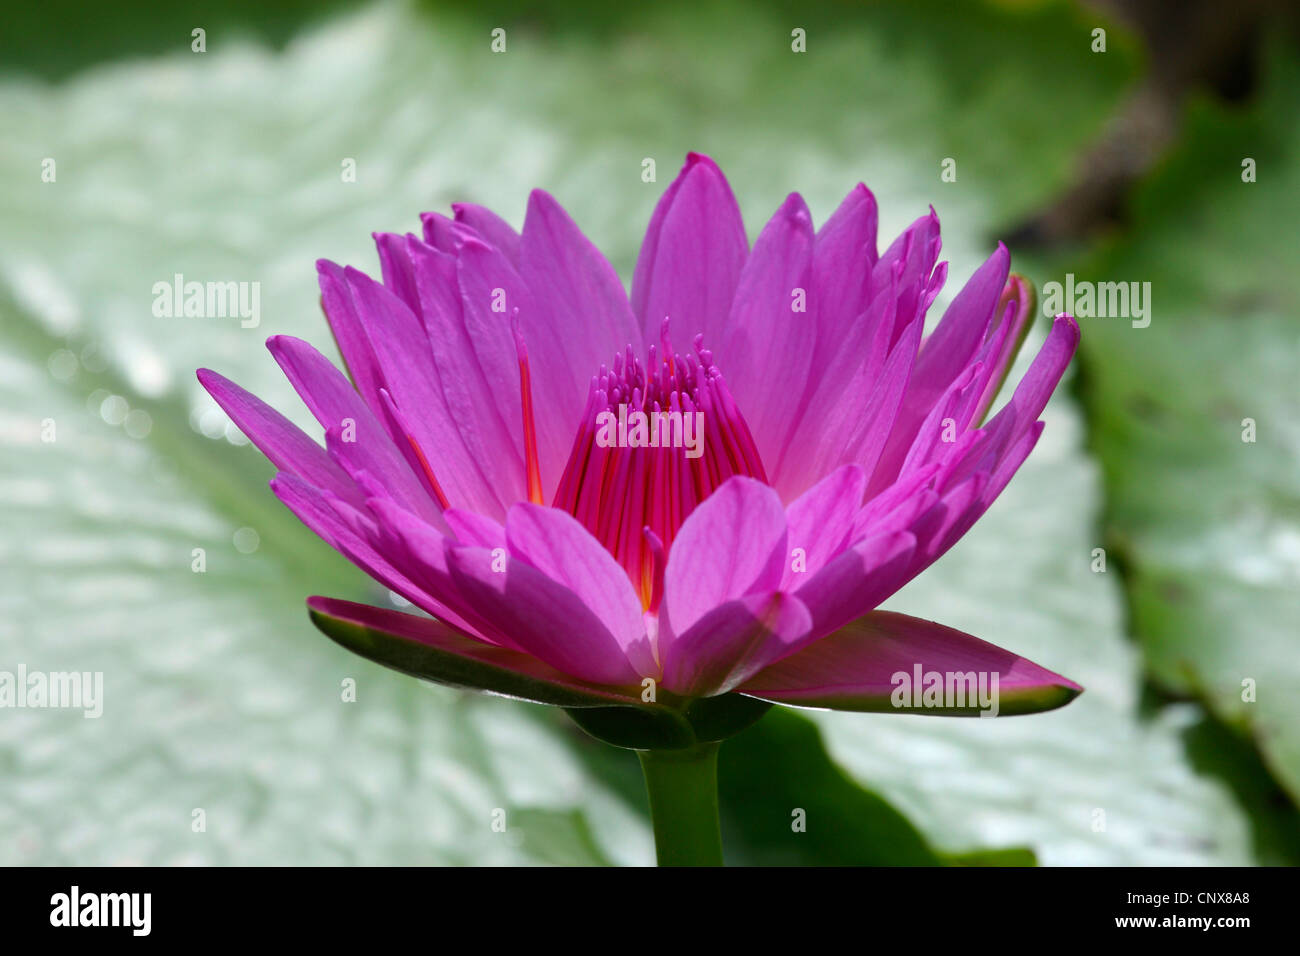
849, 343
422, 553
733, 544
397, 269
1007, 428
472, 528
581, 316
868, 442
938, 433
952, 516
349, 328
489, 282
868, 664
910, 261
1003, 348
857, 580
771, 331
959, 334
577, 286
541, 616
821, 520
491, 468
842, 265
360, 442
401, 344
494, 230
691, 258
321, 513
554, 543
283, 442
944, 356
965, 504
837, 426
448, 235
1031, 395
733, 642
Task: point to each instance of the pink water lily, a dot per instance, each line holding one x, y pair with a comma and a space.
468, 465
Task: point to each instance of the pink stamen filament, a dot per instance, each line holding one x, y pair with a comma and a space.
530, 429
398, 423
631, 498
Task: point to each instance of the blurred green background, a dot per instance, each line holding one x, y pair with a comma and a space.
1123, 164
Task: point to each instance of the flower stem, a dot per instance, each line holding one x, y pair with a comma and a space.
683, 789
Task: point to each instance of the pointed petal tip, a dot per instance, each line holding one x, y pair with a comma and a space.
1067, 327
1053, 696
703, 162
278, 343
795, 209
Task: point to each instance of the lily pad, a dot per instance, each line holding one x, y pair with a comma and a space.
1195, 418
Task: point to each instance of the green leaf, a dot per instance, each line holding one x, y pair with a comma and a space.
1205, 521
806, 808
671, 723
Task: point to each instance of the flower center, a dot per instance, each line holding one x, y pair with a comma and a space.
654, 441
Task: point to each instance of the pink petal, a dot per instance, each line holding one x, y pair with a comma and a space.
834, 427
422, 552
1002, 349
447, 235
581, 317
401, 344
283, 442
494, 230
322, 514
842, 265
349, 328
554, 543
542, 617
821, 519
855, 668
396, 268
857, 580
733, 642
492, 467
733, 544
1007, 428
769, 346
339, 409
485, 274
911, 259
691, 258
472, 528
943, 357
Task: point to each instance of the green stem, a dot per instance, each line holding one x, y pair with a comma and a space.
683, 789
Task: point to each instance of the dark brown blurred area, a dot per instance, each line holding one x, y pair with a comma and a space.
1192, 47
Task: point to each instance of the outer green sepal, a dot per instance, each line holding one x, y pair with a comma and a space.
672, 723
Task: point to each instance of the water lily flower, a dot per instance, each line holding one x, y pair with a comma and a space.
665, 592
